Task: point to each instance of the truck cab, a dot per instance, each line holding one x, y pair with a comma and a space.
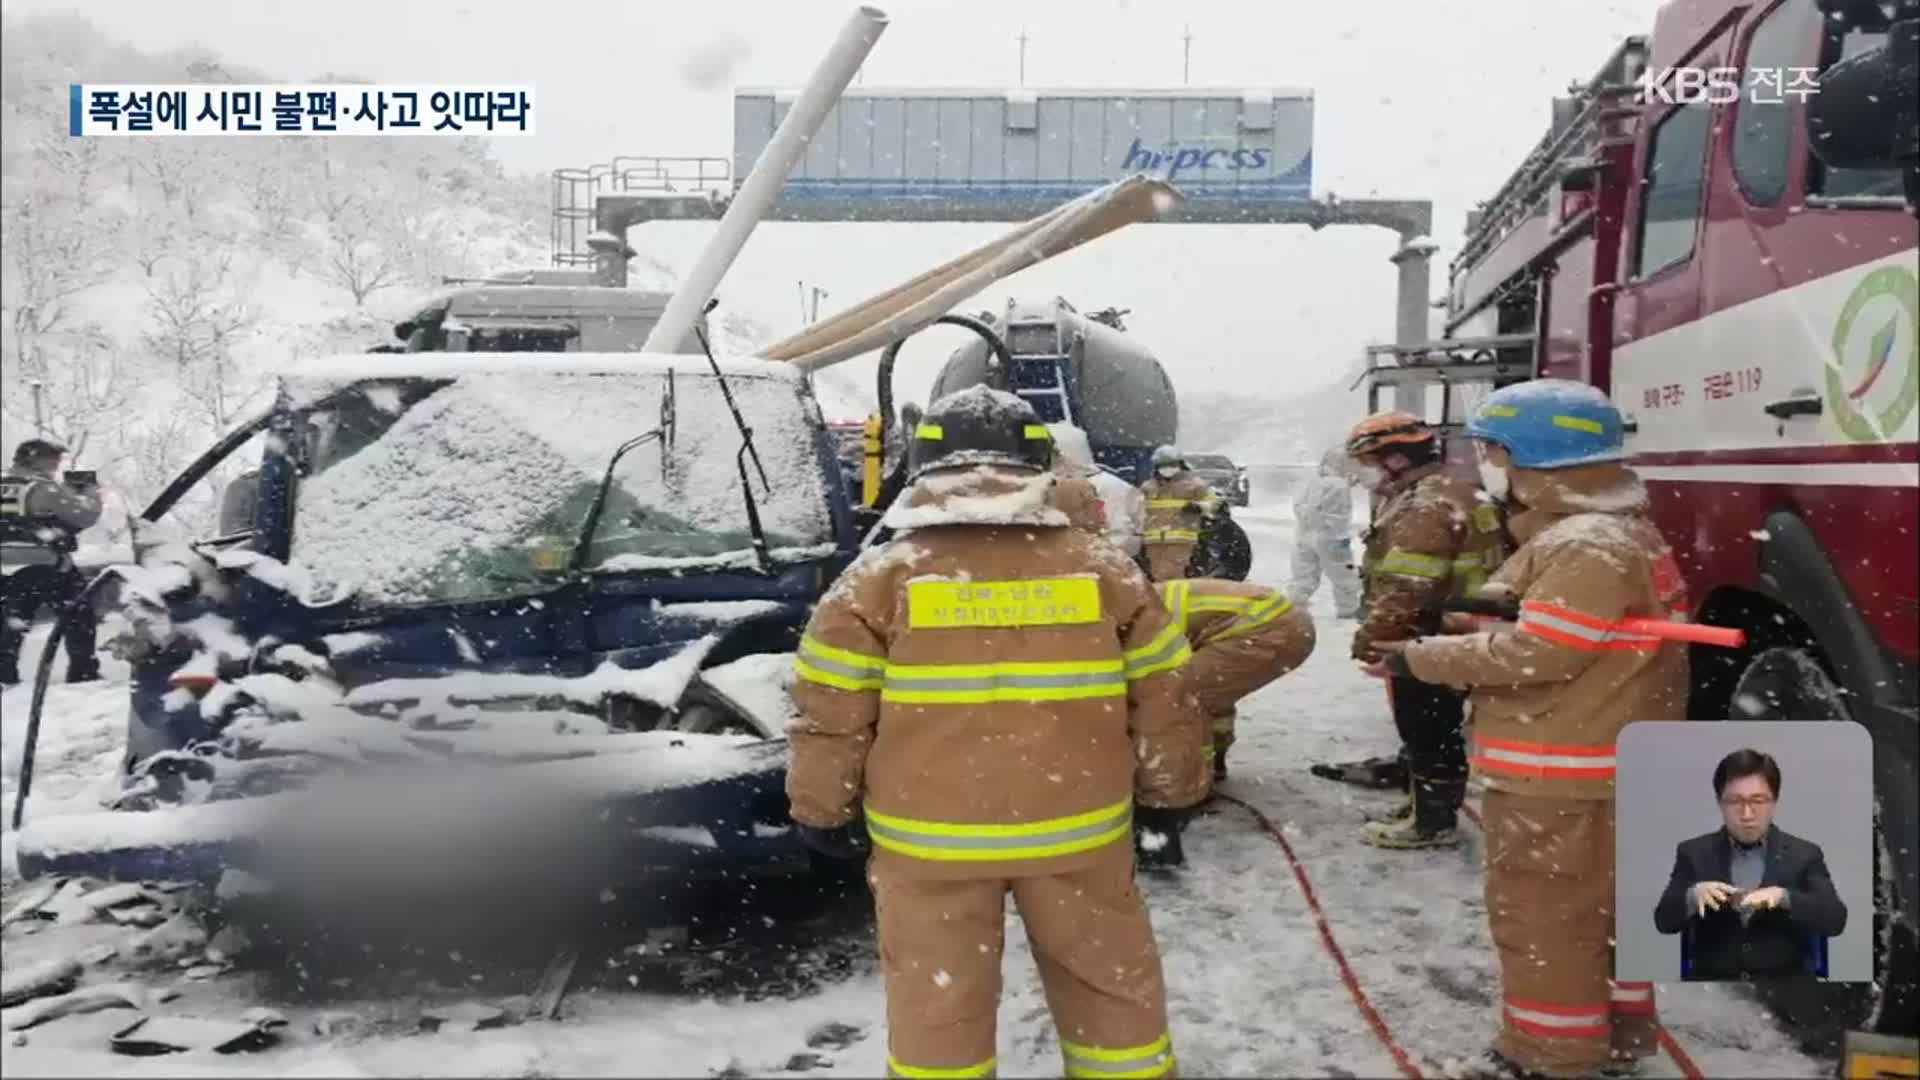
1748, 297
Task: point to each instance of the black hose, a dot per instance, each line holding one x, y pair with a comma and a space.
999, 376
82, 605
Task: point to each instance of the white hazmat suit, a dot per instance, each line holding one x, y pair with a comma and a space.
1323, 536
1124, 504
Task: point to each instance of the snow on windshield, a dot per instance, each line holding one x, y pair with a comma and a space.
451, 498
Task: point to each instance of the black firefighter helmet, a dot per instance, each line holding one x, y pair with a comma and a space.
980, 426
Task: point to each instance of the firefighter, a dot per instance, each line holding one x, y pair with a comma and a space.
1435, 539
1177, 504
40, 518
1244, 636
994, 702
1550, 696
1323, 535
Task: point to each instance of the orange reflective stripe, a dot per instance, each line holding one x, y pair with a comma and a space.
1632, 999
1578, 630
1559, 1021
1511, 757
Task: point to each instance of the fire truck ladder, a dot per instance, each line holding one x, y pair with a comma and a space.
1593, 116
576, 194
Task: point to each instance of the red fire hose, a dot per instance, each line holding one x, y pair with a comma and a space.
1401, 1059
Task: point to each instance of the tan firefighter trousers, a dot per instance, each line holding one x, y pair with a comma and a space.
1221, 673
1550, 908
940, 947
1168, 561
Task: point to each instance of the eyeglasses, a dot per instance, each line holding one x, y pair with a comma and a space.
1754, 802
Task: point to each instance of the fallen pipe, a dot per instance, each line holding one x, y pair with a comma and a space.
762, 186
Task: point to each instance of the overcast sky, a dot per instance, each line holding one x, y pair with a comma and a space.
1413, 98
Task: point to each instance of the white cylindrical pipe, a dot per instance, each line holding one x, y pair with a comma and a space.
762, 186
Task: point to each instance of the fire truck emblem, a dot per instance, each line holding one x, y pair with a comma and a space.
1873, 378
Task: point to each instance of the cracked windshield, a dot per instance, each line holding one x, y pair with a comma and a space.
481, 486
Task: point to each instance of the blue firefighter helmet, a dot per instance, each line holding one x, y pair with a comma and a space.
1550, 424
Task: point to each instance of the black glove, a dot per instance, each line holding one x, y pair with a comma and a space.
1156, 836
841, 842
1396, 665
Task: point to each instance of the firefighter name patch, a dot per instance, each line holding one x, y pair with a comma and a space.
941, 605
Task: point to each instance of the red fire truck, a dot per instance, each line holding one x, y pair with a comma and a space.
1738, 270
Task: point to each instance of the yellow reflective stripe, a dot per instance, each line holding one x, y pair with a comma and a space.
944, 841
1412, 564
1169, 648
1499, 410
1038, 431
895, 1067
1270, 609
973, 684
930, 432
1578, 423
1204, 602
1172, 536
1169, 504
842, 669
1151, 1060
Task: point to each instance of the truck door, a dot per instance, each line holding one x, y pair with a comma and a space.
1665, 260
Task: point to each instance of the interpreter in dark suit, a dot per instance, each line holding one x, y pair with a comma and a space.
1751, 894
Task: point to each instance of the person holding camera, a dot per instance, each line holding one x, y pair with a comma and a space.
41, 518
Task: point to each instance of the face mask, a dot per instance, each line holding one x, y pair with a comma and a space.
1494, 479
1168, 472
1369, 476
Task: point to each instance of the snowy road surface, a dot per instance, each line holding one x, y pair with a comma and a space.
1253, 988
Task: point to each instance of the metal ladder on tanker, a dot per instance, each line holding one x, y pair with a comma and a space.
1042, 382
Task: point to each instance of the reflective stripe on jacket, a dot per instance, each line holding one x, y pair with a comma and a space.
1174, 508
1435, 539
1552, 694
994, 697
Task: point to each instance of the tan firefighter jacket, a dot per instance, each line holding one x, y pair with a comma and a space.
1174, 508
1551, 694
1435, 539
992, 689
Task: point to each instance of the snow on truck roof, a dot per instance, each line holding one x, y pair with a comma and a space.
353, 366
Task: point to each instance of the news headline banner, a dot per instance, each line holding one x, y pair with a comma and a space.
287, 109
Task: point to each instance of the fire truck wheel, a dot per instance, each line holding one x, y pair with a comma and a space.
1784, 683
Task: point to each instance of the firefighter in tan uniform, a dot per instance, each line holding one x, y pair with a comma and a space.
995, 701
1178, 502
1550, 697
1435, 539
1244, 636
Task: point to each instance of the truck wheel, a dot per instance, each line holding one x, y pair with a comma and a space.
1784, 683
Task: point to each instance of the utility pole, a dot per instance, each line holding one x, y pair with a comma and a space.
39, 408
810, 305
1186, 60
1023, 56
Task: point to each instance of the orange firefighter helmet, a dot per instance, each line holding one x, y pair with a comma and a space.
1381, 430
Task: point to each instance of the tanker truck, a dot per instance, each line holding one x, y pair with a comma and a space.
1073, 368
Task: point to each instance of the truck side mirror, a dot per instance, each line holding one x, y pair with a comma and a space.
1867, 113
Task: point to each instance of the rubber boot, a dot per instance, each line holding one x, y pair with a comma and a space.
1400, 811
89, 671
1374, 772
1434, 822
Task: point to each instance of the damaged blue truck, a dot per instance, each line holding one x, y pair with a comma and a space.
565, 588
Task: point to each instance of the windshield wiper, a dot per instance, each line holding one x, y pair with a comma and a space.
592, 522
746, 448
